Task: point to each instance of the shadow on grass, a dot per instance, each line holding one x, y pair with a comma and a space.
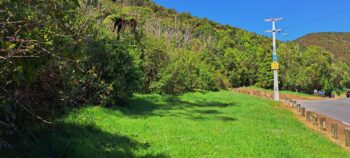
226, 118
74, 141
203, 103
207, 111
163, 106
219, 118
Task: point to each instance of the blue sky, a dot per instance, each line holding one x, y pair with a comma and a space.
300, 16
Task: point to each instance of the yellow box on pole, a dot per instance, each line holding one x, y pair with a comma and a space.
275, 66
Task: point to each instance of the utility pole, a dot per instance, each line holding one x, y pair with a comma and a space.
274, 65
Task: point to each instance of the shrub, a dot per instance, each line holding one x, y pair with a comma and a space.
186, 73
114, 66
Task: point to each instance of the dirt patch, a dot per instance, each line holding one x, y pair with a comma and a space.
269, 95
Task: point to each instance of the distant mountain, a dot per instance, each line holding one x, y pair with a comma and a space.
338, 43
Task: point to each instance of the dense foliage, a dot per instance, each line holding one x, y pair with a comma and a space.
54, 56
186, 73
58, 54
235, 57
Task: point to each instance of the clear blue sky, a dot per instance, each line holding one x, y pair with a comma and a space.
300, 16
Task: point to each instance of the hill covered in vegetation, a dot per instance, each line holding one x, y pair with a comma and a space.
60, 54
337, 43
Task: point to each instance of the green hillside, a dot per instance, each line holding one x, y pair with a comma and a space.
337, 43
235, 56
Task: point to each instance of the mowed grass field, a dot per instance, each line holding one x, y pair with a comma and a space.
200, 124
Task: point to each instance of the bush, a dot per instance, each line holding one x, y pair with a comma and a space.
155, 59
186, 73
52, 59
114, 66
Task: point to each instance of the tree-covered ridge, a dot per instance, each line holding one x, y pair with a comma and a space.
59, 54
241, 57
337, 43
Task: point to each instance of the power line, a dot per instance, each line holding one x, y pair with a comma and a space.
316, 19
292, 4
294, 7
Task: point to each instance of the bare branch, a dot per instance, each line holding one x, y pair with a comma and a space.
25, 56
19, 40
32, 113
3, 58
48, 52
43, 120
5, 124
13, 22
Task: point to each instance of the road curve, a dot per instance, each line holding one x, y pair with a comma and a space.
336, 109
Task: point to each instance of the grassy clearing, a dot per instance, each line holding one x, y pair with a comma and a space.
213, 124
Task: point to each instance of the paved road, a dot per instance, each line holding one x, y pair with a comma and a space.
337, 109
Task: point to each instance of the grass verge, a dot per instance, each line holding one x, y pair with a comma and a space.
201, 124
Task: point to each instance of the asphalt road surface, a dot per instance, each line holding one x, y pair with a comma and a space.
336, 109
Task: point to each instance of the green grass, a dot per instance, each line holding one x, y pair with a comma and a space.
284, 92
213, 124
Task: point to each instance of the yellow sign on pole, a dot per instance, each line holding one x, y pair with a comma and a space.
275, 66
